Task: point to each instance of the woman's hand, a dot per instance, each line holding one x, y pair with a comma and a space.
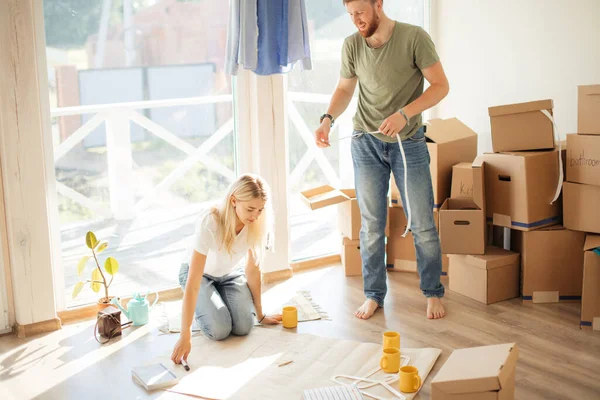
271, 319
182, 348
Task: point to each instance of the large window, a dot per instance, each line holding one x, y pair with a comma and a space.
143, 131
314, 233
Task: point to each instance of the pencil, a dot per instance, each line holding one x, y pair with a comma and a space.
185, 364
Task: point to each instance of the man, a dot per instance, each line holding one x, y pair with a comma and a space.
390, 60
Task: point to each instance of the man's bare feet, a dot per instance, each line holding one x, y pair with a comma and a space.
367, 310
435, 309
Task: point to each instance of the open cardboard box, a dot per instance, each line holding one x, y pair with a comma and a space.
323, 196
522, 126
349, 222
588, 110
520, 187
590, 299
477, 373
462, 220
551, 263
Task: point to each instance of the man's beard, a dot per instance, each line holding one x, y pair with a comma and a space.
372, 27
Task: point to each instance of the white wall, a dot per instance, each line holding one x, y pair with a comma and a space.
508, 51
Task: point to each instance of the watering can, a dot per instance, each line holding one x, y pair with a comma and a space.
138, 308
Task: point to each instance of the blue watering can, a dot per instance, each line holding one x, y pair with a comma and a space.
138, 308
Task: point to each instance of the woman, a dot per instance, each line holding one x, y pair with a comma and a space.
223, 297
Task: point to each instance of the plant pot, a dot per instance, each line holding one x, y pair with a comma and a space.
101, 305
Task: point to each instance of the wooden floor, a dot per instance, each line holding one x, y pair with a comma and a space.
557, 360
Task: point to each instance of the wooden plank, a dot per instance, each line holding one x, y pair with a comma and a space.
24, 331
275, 276
26, 156
316, 262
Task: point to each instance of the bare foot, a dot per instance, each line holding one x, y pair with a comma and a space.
367, 310
435, 309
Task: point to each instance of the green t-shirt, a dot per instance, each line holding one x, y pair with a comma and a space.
389, 77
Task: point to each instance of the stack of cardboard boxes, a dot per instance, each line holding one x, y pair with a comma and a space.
515, 190
581, 193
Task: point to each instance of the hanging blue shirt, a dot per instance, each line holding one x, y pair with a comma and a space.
272, 37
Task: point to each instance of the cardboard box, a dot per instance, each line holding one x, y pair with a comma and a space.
520, 187
349, 220
581, 207
322, 196
462, 181
449, 142
522, 126
583, 159
351, 259
349, 216
551, 263
401, 254
478, 373
588, 115
487, 278
462, 220
590, 299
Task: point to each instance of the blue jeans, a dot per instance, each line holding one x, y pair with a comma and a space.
373, 161
224, 305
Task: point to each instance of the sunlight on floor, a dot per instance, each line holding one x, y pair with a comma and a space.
222, 383
276, 296
47, 352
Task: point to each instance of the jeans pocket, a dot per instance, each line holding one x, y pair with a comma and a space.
419, 136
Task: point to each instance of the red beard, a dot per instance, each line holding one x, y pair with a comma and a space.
371, 28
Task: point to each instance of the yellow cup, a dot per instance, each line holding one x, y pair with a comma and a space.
410, 381
391, 339
290, 317
390, 360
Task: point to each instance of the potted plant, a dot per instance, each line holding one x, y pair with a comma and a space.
98, 277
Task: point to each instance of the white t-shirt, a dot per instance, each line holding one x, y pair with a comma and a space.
219, 261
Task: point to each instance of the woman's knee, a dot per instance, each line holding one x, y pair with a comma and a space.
216, 324
217, 330
243, 325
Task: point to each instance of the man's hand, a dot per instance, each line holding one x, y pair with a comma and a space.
393, 124
322, 133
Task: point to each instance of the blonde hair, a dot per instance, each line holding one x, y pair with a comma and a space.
260, 233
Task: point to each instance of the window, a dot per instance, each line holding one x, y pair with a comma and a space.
314, 233
143, 131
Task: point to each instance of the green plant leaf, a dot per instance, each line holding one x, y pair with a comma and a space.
111, 265
77, 288
101, 246
81, 265
96, 277
90, 240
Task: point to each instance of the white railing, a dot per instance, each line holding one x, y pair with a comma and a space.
341, 129
118, 150
118, 116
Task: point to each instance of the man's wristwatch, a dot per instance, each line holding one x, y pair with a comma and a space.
326, 116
